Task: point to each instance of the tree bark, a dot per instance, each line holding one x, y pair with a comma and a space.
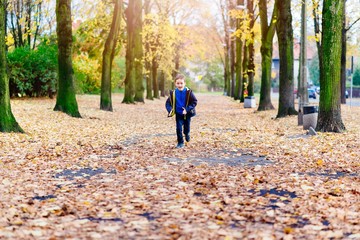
224, 14
238, 62
317, 31
154, 77
108, 57
329, 118
134, 89
286, 54
238, 67
267, 35
251, 62
162, 84
138, 53
244, 73
232, 61
147, 64
66, 99
7, 119
343, 58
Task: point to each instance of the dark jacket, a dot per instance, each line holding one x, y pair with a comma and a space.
190, 105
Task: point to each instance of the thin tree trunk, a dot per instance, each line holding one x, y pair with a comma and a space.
224, 14
244, 73
317, 32
286, 53
38, 20
108, 57
130, 78
265, 90
149, 87
343, 58
66, 99
162, 84
7, 119
154, 76
267, 35
177, 66
138, 53
238, 68
28, 21
251, 62
329, 118
227, 70
238, 62
19, 32
232, 61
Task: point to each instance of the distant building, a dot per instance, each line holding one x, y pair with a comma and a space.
275, 66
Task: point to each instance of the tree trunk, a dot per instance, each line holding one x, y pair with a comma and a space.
28, 22
329, 118
267, 35
265, 90
286, 54
129, 79
238, 62
232, 61
147, 64
162, 84
154, 76
251, 62
149, 86
66, 99
343, 58
224, 14
227, 69
138, 52
244, 81
108, 57
7, 119
134, 89
238, 67
317, 32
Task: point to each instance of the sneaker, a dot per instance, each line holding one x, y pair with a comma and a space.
187, 137
180, 145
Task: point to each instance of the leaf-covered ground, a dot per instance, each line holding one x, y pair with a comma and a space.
117, 175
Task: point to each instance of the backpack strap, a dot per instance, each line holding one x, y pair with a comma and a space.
188, 93
172, 102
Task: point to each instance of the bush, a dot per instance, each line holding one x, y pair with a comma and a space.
87, 74
33, 72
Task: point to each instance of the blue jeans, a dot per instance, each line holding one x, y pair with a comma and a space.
180, 122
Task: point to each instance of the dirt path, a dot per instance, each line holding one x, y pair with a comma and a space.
244, 175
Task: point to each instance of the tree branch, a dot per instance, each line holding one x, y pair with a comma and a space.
351, 25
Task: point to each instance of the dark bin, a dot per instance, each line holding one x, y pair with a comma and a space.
250, 97
310, 109
310, 117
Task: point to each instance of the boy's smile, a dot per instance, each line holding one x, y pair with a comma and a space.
180, 84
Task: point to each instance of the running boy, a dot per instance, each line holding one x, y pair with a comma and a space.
181, 103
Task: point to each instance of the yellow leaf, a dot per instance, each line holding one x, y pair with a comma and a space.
319, 162
288, 230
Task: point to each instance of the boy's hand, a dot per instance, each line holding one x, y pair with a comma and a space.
184, 111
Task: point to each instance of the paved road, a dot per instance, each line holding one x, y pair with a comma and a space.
355, 102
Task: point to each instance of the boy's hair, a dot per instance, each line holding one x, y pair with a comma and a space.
179, 76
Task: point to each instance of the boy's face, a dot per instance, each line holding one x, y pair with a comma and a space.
180, 84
